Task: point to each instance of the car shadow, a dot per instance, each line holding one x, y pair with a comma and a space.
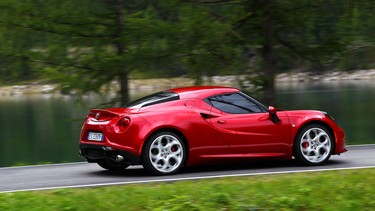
267, 165
132, 172
259, 165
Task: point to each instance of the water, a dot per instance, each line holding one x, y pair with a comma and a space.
45, 128
39, 129
351, 103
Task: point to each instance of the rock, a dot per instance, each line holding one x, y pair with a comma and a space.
47, 89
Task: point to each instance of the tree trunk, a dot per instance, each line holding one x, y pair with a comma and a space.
124, 88
268, 70
268, 74
120, 48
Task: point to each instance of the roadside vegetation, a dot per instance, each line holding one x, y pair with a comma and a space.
333, 190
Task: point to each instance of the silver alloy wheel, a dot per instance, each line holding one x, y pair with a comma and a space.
166, 153
315, 145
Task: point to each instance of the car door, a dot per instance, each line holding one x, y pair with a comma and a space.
246, 127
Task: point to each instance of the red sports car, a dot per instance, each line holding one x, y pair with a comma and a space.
203, 124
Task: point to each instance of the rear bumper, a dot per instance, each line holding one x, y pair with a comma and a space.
94, 153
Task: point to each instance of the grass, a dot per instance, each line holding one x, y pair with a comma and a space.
334, 190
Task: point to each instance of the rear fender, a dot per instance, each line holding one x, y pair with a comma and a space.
199, 134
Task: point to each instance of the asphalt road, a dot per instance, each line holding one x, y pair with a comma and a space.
44, 177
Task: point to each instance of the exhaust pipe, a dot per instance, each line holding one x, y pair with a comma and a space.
119, 158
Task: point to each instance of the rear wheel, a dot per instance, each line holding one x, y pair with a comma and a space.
313, 145
112, 166
164, 153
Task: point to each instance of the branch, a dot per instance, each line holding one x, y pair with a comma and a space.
27, 57
216, 1
242, 21
48, 30
63, 65
294, 49
79, 24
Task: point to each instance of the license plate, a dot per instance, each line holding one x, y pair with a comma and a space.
95, 136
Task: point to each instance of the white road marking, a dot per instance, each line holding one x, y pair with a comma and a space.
360, 145
186, 178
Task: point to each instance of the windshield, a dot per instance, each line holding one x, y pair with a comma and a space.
159, 97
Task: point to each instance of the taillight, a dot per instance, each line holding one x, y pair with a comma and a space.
100, 116
122, 124
91, 114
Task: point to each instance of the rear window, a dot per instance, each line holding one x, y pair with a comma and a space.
159, 97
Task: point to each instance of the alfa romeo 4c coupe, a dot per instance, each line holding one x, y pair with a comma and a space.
205, 124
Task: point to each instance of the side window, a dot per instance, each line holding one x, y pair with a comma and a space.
156, 98
234, 103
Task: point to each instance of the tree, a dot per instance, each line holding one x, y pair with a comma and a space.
205, 42
357, 29
86, 45
91, 43
276, 29
14, 66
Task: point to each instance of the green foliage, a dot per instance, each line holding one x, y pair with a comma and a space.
334, 190
85, 45
357, 57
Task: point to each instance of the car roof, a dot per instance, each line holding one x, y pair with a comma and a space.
201, 92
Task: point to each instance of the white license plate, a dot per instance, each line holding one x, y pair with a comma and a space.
95, 136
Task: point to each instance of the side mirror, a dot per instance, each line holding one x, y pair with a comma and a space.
272, 110
273, 114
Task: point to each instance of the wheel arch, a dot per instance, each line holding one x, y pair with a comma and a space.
168, 129
316, 122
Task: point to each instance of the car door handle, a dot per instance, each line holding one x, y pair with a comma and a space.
221, 121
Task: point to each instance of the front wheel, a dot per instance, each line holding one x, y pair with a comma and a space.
164, 153
313, 145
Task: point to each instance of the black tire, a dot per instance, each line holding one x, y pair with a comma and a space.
313, 145
164, 153
111, 166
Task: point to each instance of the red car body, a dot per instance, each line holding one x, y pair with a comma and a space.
118, 135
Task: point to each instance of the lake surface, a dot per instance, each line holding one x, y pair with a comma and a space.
351, 103
40, 129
